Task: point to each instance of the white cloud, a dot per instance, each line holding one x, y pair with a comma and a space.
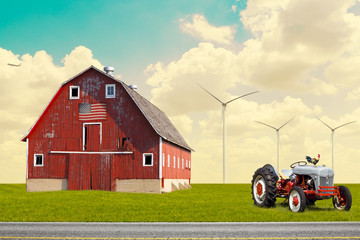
294, 40
200, 28
233, 8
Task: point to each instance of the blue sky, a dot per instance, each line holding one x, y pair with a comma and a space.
128, 35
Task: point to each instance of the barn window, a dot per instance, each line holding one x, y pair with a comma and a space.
163, 159
182, 163
174, 162
110, 91
189, 164
74, 92
178, 163
186, 164
168, 160
147, 159
38, 160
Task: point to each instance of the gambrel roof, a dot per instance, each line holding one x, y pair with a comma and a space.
157, 118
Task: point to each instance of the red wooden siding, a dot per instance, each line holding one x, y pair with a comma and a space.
180, 171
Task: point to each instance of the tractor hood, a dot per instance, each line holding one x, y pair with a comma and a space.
321, 171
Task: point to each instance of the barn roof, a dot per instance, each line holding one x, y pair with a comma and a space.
157, 118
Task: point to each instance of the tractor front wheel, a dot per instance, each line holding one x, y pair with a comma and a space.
263, 186
344, 200
297, 199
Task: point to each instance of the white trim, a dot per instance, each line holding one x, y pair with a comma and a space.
178, 163
80, 152
160, 158
106, 90
83, 138
182, 164
70, 93
42, 158
27, 158
168, 160
152, 159
174, 162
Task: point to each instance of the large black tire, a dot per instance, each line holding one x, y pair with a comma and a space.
297, 199
263, 187
345, 200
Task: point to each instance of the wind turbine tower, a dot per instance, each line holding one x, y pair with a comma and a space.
332, 138
224, 105
277, 139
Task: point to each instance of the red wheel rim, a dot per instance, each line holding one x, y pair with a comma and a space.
259, 189
295, 201
342, 199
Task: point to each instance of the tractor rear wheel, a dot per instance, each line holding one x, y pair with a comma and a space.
297, 199
344, 201
263, 187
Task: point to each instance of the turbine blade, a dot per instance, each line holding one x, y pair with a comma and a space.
267, 125
324, 123
241, 97
286, 123
344, 125
210, 94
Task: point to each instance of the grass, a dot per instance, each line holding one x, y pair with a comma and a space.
202, 203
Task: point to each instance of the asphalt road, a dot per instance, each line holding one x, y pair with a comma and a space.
318, 230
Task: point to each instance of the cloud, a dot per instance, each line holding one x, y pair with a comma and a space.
24, 94
200, 28
233, 8
298, 41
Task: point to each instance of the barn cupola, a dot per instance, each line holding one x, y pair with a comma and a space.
109, 70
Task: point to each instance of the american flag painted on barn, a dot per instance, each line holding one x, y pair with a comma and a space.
92, 111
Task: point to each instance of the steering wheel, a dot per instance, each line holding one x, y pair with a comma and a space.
298, 163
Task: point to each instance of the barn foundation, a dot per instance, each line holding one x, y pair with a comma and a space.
138, 185
44, 185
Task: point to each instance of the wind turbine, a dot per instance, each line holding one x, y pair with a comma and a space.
332, 138
224, 105
277, 139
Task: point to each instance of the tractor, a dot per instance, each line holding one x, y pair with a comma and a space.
305, 185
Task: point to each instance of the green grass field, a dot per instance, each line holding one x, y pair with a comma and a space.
202, 203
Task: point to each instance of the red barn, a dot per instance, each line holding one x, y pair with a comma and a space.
98, 133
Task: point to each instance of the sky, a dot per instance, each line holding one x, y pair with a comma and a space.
302, 56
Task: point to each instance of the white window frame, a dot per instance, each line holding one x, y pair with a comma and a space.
94, 123
189, 164
182, 163
42, 156
178, 163
169, 160
186, 163
106, 91
70, 94
163, 160
152, 159
174, 162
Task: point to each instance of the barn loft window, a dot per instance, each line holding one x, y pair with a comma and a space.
147, 159
74, 92
174, 162
168, 160
110, 91
38, 160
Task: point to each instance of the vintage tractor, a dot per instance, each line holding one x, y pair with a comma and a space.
305, 185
